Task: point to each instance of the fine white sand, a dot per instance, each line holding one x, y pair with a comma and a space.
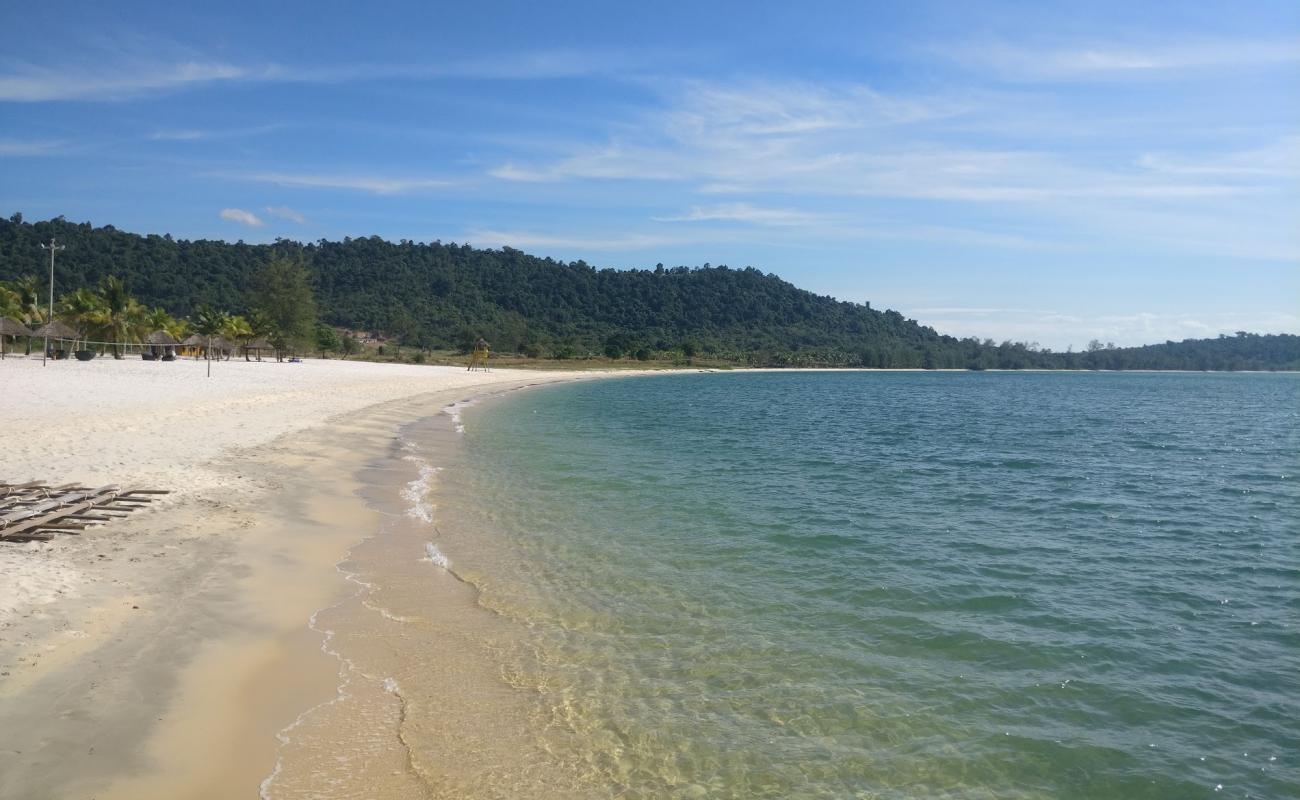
156, 425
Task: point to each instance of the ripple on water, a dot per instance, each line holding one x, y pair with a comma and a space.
830, 585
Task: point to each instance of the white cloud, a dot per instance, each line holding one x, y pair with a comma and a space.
116, 71
241, 216
36, 84
841, 141
744, 212
178, 135
376, 184
524, 239
29, 147
199, 134
1281, 159
1113, 59
284, 212
850, 147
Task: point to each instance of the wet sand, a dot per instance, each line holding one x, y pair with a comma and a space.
181, 647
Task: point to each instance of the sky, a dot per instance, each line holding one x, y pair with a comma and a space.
1037, 171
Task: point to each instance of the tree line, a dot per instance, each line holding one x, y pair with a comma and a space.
447, 295
280, 307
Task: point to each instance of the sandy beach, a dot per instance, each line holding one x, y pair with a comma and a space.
159, 656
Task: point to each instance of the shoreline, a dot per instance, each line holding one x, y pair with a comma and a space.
181, 646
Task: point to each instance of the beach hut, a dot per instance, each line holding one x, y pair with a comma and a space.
224, 347
11, 327
195, 340
59, 332
256, 347
208, 345
161, 346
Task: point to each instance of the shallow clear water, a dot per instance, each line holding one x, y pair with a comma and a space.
898, 585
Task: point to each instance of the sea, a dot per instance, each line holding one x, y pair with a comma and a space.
826, 585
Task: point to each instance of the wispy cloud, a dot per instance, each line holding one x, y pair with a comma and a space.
241, 216
1281, 159
126, 72
36, 84
842, 149
787, 139
728, 133
375, 184
178, 135
747, 213
523, 239
200, 134
1115, 59
30, 147
284, 212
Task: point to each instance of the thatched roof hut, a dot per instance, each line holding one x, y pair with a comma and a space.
259, 344
161, 339
57, 330
195, 340
12, 327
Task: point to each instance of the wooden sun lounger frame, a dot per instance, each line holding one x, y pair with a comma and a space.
33, 510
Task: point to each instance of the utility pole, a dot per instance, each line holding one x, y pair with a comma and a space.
49, 320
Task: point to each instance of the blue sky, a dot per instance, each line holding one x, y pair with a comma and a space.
1050, 172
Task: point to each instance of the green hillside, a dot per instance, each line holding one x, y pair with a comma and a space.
445, 295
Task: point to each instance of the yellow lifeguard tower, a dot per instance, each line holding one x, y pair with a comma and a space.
478, 358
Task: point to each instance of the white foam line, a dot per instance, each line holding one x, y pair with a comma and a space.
435, 556
417, 491
454, 410
347, 667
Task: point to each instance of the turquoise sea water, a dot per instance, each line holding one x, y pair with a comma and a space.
899, 585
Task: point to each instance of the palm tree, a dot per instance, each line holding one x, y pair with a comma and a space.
122, 314
30, 310
85, 310
208, 321
157, 319
10, 303
239, 330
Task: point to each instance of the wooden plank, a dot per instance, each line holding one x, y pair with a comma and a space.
32, 525
35, 512
14, 517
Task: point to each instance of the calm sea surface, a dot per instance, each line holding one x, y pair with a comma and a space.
898, 585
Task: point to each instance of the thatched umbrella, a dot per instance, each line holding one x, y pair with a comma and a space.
208, 343
11, 327
58, 331
161, 339
223, 345
257, 346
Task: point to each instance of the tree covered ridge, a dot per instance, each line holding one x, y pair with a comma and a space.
445, 295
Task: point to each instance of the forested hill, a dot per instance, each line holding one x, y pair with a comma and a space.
444, 295
441, 294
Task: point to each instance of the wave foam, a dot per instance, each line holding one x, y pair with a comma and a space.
453, 411
435, 556
417, 491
